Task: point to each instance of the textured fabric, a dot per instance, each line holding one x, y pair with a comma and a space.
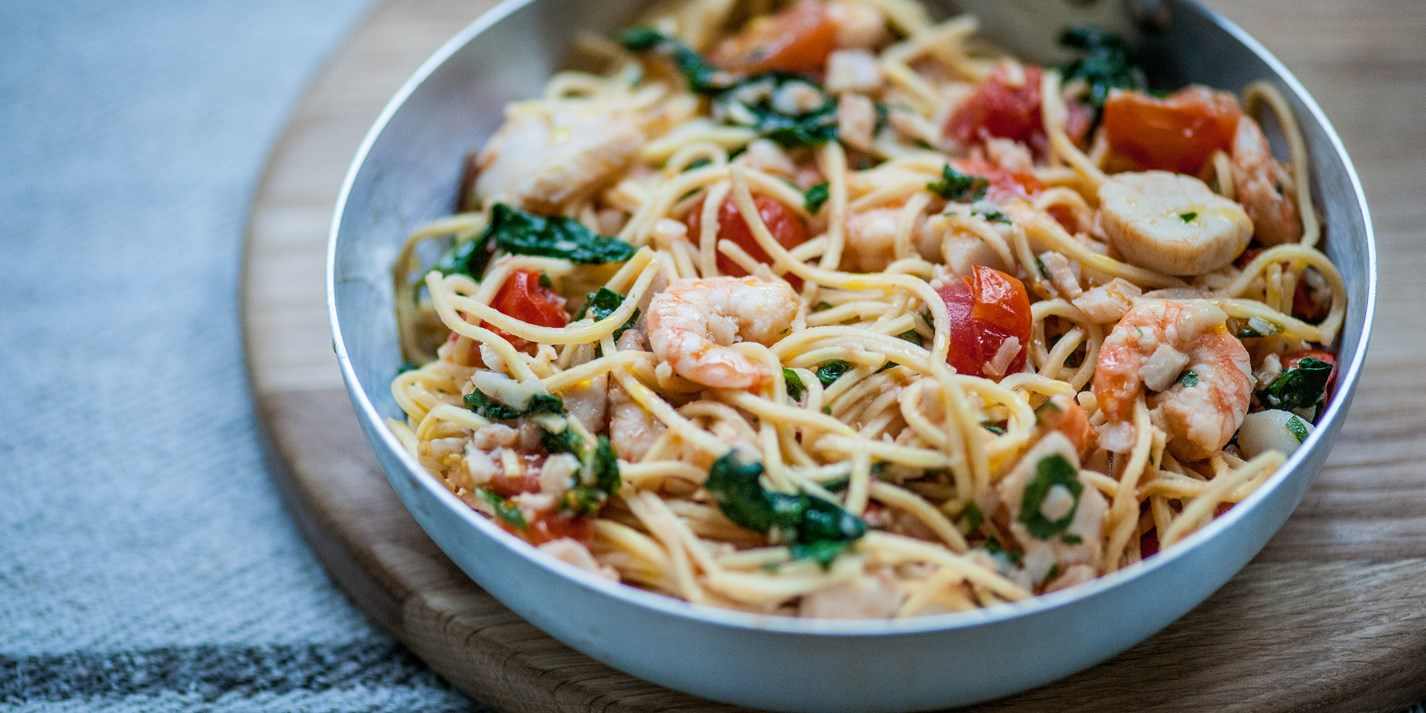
146, 561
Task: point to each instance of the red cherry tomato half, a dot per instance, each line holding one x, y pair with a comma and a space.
986, 308
1000, 108
1176, 133
784, 225
798, 39
524, 298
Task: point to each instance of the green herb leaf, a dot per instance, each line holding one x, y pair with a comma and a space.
831, 371
598, 475
998, 551
1258, 327
1071, 539
814, 527
468, 257
795, 387
750, 103
1052, 471
823, 552
821, 305
912, 336
504, 509
997, 430
1054, 572
702, 77
1303, 385
1104, 66
603, 302
698, 163
1040, 268
971, 517
546, 282
815, 196
956, 186
993, 215
1297, 428
1187, 217
488, 407
522, 233
1189, 379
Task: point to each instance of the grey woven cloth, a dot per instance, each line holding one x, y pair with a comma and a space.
146, 561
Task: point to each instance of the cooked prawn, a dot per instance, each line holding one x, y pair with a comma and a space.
1062, 414
1171, 222
1264, 186
542, 160
1155, 346
871, 239
692, 324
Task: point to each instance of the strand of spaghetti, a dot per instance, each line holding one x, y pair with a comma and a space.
1200, 510
570, 334
929, 587
663, 525
645, 474
898, 549
440, 300
905, 500
636, 557
1308, 256
1053, 115
1044, 230
1297, 146
661, 410
1123, 509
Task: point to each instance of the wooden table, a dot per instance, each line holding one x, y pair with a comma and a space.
1331, 615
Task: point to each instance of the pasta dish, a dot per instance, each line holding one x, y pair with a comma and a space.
831, 309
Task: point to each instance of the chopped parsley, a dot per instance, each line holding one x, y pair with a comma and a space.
1051, 472
993, 215
603, 302
488, 407
1103, 66
912, 336
1297, 428
956, 186
815, 197
831, 371
795, 387
504, 509
1258, 327
598, 476
1303, 385
1189, 379
1187, 217
971, 517
814, 528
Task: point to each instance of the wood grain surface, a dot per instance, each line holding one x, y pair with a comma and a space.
1330, 616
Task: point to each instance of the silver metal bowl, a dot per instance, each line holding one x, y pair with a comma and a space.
407, 172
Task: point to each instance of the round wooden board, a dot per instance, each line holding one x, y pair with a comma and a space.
1331, 616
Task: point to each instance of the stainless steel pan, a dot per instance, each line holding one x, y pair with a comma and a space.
406, 173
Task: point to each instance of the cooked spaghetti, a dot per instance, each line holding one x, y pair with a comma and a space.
831, 310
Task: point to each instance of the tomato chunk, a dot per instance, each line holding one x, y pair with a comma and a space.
1176, 133
524, 298
986, 308
550, 525
1001, 108
798, 39
781, 221
528, 481
1004, 183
